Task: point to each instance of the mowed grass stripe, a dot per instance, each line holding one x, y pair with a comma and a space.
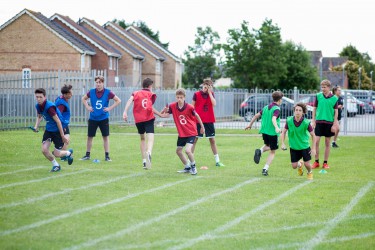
22, 170
86, 209
161, 217
53, 194
56, 175
230, 224
330, 225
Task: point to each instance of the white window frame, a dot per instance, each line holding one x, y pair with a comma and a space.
26, 76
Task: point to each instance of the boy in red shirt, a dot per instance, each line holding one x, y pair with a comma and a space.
143, 112
185, 118
204, 102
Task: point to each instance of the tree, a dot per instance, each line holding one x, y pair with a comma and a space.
300, 72
361, 59
145, 29
200, 59
352, 71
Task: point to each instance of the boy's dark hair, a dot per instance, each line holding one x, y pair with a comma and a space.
208, 81
147, 82
302, 105
277, 95
180, 91
66, 89
101, 78
335, 89
40, 91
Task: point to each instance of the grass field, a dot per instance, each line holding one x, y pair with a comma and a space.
118, 205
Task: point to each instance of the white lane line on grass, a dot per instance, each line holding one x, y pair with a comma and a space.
250, 234
21, 170
86, 209
331, 224
160, 217
65, 191
332, 240
55, 175
237, 220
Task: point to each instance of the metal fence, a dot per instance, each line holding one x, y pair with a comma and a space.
17, 102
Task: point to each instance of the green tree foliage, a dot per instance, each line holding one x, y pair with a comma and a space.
300, 71
200, 59
361, 59
145, 29
352, 71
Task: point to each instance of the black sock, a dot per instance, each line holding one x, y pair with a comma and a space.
88, 154
317, 161
106, 154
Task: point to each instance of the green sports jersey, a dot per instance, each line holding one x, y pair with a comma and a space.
267, 125
298, 136
326, 107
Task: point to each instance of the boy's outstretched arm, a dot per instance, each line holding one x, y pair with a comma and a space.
255, 117
127, 106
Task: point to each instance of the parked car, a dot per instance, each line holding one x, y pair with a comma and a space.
363, 96
253, 104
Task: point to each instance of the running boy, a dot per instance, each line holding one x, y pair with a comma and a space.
324, 120
185, 118
99, 114
62, 104
204, 102
54, 130
270, 129
340, 105
299, 129
143, 112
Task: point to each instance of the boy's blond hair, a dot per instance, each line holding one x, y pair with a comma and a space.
326, 83
180, 91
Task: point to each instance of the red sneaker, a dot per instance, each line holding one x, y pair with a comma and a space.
325, 165
315, 165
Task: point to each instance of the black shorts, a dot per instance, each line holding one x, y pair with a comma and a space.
271, 141
145, 127
323, 129
54, 137
182, 141
209, 130
296, 155
93, 126
66, 131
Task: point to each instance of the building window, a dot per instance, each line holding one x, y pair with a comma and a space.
26, 78
157, 68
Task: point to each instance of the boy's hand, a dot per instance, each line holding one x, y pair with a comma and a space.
278, 130
312, 152
125, 116
248, 127
202, 130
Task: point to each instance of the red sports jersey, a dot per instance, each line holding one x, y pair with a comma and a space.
184, 119
143, 101
203, 107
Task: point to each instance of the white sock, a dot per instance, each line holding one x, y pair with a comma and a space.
266, 167
299, 164
217, 159
192, 164
54, 163
187, 165
261, 149
144, 160
68, 153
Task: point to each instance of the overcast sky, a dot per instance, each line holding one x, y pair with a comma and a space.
326, 25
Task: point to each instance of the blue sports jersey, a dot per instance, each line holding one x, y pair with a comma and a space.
98, 104
66, 115
51, 125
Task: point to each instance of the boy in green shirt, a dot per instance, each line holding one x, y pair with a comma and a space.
324, 120
299, 129
270, 129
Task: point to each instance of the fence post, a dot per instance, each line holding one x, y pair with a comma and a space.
295, 95
345, 113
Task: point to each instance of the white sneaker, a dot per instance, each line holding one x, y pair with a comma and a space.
193, 170
185, 170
